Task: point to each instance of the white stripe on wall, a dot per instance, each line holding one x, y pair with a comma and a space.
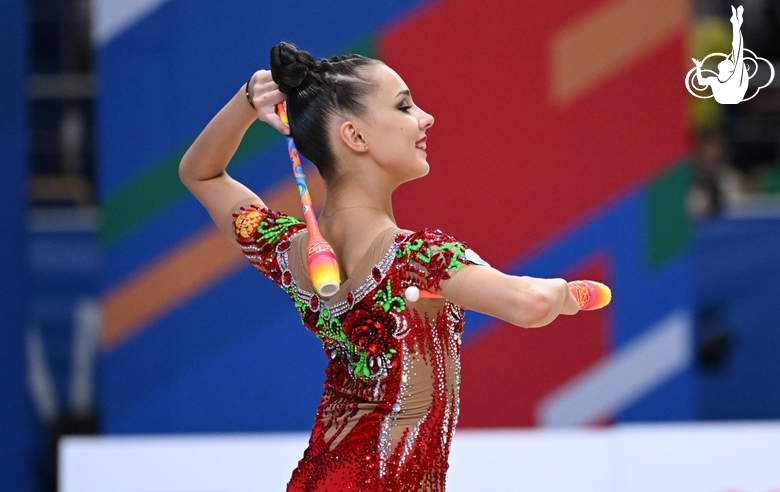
87, 321
40, 381
615, 383
110, 18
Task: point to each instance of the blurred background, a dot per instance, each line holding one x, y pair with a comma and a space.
565, 144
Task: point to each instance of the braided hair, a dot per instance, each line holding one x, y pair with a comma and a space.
317, 90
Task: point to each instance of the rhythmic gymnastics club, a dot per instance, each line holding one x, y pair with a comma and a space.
323, 266
590, 294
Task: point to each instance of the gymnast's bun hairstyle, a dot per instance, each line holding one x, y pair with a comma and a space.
317, 90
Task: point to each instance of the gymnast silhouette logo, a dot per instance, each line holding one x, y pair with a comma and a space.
730, 84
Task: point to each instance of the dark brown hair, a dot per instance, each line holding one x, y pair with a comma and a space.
317, 90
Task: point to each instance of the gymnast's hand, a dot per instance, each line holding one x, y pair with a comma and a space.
265, 95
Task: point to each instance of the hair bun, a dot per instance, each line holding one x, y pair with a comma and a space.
290, 66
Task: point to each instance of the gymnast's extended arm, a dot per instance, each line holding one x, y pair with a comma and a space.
523, 301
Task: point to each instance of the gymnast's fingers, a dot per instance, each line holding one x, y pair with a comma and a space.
268, 115
265, 95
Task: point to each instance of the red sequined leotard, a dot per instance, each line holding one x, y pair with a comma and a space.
388, 413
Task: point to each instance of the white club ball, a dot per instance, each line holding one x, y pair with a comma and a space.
412, 294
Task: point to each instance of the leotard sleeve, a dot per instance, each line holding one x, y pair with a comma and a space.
433, 256
262, 234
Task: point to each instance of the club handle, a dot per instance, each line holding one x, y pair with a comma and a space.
320, 258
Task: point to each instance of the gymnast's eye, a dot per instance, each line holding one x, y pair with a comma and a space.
405, 108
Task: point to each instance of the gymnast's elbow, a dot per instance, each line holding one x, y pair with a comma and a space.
531, 308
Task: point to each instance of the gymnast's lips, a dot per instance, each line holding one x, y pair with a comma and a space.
420, 144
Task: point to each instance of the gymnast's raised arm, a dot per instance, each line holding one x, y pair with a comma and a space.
202, 169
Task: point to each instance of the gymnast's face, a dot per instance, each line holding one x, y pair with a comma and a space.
394, 127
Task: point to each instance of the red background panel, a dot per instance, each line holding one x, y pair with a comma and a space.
482, 69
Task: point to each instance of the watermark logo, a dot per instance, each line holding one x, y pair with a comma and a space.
730, 83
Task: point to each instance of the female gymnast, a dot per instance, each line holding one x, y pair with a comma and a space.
391, 399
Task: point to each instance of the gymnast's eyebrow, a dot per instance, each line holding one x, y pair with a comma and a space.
404, 92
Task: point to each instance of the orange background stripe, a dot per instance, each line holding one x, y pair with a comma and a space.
600, 44
186, 270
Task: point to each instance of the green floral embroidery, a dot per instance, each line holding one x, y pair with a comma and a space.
299, 305
388, 301
361, 367
414, 249
459, 255
362, 371
272, 233
331, 328
331, 331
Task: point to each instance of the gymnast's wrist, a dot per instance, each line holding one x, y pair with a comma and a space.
248, 93
241, 108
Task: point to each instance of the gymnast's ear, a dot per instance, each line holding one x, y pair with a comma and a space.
350, 134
